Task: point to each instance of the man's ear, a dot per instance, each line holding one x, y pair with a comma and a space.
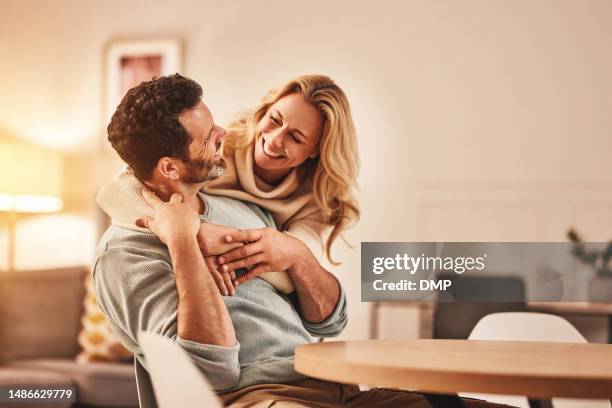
168, 168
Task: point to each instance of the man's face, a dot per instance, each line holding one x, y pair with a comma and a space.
205, 162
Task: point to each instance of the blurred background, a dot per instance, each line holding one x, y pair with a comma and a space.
477, 120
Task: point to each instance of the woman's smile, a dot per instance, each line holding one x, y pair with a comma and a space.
270, 153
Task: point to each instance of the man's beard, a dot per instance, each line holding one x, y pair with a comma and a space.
200, 171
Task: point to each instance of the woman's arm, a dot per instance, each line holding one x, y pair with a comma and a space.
318, 290
268, 249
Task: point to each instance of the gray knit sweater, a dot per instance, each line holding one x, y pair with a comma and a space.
134, 282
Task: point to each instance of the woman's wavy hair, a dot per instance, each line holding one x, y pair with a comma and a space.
334, 171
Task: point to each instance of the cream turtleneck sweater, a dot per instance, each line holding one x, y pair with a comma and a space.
290, 203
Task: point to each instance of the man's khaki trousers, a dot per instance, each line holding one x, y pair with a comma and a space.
323, 394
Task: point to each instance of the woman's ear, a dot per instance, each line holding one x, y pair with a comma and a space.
168, 168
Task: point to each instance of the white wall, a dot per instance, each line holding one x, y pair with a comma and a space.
477, 120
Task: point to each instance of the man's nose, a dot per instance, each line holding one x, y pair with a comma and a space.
220, 134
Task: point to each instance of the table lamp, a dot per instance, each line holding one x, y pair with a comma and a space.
30, 182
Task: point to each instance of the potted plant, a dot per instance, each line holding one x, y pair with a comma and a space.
600, 286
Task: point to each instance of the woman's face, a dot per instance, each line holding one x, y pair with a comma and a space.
289, 133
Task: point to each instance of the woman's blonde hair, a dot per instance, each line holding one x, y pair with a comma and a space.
334, 171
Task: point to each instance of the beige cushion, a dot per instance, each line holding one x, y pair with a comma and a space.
96, 339
13, 376
40, 313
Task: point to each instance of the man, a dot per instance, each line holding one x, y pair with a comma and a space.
161, 283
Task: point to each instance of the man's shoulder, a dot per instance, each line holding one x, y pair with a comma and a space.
118, 236
237, 213
118, 242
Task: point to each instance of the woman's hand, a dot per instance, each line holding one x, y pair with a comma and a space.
172, 220
267, 250
216, 239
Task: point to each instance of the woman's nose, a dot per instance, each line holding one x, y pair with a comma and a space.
277, 138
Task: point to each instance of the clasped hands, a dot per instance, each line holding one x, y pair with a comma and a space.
225, 249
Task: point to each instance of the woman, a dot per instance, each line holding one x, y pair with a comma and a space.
294, 155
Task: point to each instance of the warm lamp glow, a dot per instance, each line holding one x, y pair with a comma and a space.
30, 203
30, 182
30, 178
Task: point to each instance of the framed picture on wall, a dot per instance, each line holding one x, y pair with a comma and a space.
129, 62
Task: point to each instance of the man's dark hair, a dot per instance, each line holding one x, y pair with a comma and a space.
145, 126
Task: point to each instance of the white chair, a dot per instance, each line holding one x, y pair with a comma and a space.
177, 382
524, 326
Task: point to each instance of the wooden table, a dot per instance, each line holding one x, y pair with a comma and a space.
576, 308
533, 369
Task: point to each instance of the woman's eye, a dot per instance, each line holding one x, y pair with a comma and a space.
295, 138
275, 120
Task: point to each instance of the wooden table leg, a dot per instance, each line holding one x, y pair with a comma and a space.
540, 403
444, 401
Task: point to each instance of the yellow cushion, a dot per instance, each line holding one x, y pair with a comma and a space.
96, 339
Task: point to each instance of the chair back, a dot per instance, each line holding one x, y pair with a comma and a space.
146, 396
472, 297
177, 382
526, 326
501, 288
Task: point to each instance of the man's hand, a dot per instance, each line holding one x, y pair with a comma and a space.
267, 250
216, 239
224, 280
173, 220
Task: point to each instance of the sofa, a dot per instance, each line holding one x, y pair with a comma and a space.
40, 319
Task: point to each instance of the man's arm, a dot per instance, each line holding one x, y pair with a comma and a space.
137, 290
202, 314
